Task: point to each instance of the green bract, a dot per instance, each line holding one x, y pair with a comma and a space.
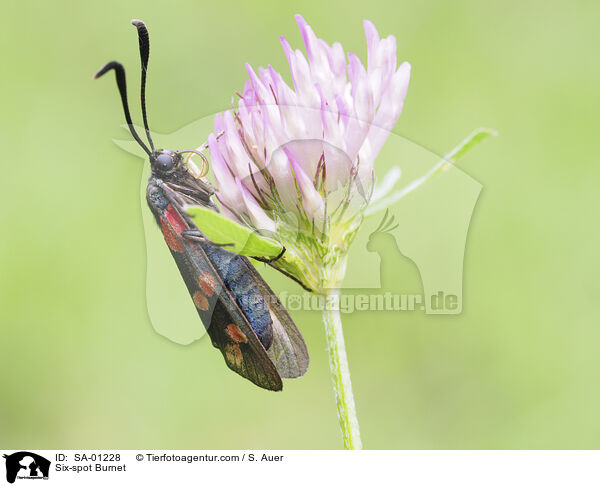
233, 236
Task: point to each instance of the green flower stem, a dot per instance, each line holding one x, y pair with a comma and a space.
340, 372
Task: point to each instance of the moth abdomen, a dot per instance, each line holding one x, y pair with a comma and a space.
241, 284
254, 306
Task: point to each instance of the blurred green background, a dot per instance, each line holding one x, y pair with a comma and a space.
81, 366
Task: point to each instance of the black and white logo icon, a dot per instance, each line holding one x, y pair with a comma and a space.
26, 465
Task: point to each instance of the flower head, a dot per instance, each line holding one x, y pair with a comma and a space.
298, 161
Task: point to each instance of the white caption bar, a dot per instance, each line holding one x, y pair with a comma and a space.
66, 467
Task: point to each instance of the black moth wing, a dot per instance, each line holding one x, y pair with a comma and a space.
223, 318
288, 350
241, 348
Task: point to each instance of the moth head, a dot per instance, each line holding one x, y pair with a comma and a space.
164, 162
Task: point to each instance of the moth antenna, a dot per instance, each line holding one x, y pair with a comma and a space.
144, 41
122, 86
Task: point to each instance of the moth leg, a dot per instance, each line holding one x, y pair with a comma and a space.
191, 193
174, 198
289, 275
270, 260
195, 235
178, 188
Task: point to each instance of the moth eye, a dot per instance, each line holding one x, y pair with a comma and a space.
164, 162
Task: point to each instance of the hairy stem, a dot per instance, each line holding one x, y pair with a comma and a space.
340, 372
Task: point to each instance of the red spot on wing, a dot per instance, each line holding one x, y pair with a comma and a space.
175, 220
172, 227
236, 334
233, 355
200, 300
170, 236
207, 283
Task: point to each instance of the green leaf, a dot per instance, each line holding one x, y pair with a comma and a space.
239, 239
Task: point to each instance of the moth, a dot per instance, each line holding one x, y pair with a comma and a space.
243, 317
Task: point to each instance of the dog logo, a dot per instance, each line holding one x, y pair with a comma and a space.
26, 465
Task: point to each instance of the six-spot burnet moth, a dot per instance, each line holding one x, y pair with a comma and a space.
242, 315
